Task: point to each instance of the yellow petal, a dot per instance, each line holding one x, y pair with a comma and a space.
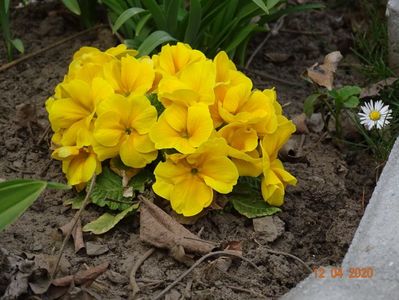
220, 173
108, 129
80, 92
199, 125
137, 76
142, 115
65, 112
131, 157
190, 196
81, 168
101, 90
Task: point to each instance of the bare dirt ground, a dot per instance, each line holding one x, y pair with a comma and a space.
320, 214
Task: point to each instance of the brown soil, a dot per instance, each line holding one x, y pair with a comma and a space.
321, 214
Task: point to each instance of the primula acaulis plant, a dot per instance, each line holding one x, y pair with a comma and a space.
198, 124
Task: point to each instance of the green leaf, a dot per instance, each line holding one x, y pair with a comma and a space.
194, 22
308, 105
108, 191
241, 36
252, 205
351, 102
348, 91
126, 15
73, 6
141, 24
261, 5
140, 180
58, 186
248, 201
76, 202
17, 43
154, 40
157, 13
6, 6
107, 221
272, 3
16, 196
171, 15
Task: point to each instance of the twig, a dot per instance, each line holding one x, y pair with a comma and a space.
197, 263
251, 292
304, 32
56, 44
134, 270
76, 218
45, 133
273, 32
271, 77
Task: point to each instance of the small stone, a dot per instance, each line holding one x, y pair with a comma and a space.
36, 246
270, 227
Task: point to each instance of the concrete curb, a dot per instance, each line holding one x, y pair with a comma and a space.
375, 245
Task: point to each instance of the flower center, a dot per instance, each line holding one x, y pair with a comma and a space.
194, 171
128, 131
375, 115
184, 134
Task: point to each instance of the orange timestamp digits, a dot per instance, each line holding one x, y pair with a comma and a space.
339, 272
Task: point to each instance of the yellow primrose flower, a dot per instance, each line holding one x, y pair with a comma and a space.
182, 128
78, 163
188, 181
274, 182
240, 105
121, 50
77, 109
194, 84
172, 59
240, 136
130, 75
275, 177
227, 77
122, 127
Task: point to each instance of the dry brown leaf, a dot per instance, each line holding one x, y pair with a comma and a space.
292, 150
277, 56
82, 277
161, 230
324, 74
300, 123
77, 234
374, 89
234, 246
126, 173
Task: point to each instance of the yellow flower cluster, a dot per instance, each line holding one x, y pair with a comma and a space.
213, 129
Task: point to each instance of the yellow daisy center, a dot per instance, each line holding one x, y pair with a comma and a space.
375, 115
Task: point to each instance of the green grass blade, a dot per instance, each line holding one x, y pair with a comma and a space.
261, 4
17, 43
73, 6
16, 196
126, 15
157, 13
141, 24
194, 22
272, 3
155, 39
172, 10
6, 6
241, 36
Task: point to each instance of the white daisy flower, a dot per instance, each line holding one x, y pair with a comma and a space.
375, 115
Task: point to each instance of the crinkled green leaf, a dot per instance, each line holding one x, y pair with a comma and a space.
108, 221
108, 191
248, 201
252, 206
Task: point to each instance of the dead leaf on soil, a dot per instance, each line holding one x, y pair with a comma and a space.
95, 249
234, 246
77, 234
85, 277
292, 151
161, 230
300, 123
374, 89
277, 57
187, 220
324, 74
